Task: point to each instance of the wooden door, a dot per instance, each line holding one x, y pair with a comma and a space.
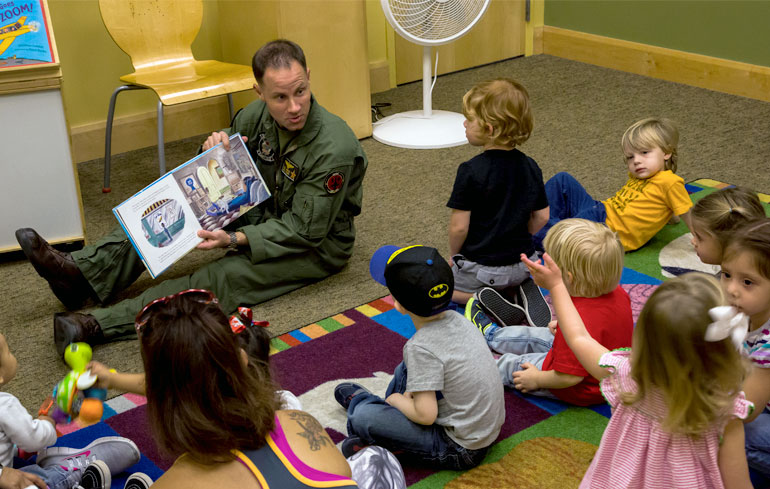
498, 35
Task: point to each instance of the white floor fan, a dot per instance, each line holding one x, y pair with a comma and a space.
427, 23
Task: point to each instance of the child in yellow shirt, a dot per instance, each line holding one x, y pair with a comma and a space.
652, 195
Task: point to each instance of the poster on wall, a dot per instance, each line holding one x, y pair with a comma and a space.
26, 36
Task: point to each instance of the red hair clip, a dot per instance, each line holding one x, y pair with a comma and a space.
244, 314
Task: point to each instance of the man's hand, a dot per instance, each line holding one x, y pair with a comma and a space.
219, 137
553, 325
526, 380
548, 275
213, 239
16, 479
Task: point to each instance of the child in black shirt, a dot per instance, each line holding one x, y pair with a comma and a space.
498, 202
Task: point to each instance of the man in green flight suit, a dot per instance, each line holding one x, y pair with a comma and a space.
312, 163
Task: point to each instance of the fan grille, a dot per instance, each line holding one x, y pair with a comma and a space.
435, 20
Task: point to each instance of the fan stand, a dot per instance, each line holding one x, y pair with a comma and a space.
426, 129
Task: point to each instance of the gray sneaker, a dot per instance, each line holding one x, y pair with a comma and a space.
138, 480
116, 452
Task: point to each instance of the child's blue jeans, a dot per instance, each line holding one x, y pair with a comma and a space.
567, 198
55, 476
758, 442
519, 345
378, 423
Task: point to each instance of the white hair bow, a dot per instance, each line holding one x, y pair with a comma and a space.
727, 322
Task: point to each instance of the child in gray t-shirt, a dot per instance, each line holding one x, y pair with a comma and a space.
445, 403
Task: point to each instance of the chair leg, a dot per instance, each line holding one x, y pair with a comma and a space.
230, 106
161, 145
108, 134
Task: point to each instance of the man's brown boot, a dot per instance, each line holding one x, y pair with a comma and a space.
58, 268
71, 327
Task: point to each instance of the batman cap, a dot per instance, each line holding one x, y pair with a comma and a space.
417, 277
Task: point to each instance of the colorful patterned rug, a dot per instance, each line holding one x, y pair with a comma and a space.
543, 443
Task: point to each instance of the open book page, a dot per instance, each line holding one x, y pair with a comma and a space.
208, 192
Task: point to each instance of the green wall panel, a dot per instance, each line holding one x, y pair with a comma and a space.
729, 29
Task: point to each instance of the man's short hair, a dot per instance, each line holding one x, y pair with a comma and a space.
590, 251
277, 54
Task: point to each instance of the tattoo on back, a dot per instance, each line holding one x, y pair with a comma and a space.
313, 431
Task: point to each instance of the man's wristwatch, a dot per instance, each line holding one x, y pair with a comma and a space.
233, 241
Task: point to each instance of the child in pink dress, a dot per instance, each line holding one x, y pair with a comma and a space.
675, 396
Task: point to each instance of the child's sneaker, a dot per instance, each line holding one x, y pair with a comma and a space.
346, 391
96, 476
118, 453
535, 306
503, 312
352, 445
476, 315
138, 480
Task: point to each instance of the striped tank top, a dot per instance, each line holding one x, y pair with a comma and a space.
276, 466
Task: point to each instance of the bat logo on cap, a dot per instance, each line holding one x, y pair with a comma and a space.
438, 291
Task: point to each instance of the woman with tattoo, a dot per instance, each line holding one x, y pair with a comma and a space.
216, 413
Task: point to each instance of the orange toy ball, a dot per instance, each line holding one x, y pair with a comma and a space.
91, 411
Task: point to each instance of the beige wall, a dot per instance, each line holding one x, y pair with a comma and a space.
333, 32
231, 31
91, 62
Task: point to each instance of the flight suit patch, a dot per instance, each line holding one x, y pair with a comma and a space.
289, 169
334, 182
264, 150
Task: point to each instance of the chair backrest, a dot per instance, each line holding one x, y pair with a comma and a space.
153, 32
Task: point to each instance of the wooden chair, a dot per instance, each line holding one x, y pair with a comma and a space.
157, 35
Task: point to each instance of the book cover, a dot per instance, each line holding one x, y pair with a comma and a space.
207, 192
26, 39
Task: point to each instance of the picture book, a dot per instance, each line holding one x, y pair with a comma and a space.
26, 39
208, 192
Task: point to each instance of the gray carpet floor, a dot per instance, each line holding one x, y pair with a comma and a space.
580, 114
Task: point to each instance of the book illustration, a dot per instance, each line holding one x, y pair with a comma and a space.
221, 188
208, 192
162, 222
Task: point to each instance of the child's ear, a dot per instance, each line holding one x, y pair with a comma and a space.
667, 156
568, 276
490, 129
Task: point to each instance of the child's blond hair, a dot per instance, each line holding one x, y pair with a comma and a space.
503, 104
650, 133
697, 379
590, 252
721, 212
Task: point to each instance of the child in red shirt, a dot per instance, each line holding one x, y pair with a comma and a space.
537, 360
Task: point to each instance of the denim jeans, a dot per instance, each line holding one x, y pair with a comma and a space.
567, 198
55, 476
378, 423
758, 442
519, 345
